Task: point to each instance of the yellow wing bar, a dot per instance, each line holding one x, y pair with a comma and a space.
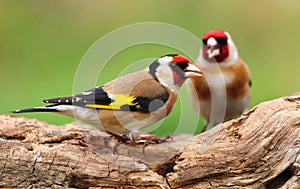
119, 101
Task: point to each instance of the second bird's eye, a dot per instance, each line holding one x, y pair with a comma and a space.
222, 41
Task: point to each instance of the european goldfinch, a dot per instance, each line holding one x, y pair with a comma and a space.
224, 91
129, 103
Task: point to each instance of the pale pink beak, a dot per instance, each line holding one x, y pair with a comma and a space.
192, 71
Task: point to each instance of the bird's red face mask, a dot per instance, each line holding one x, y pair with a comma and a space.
182, 70
215, 46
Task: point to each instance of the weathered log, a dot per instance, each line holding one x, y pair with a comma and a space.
258, 150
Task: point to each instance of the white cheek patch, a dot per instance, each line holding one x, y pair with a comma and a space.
165, 60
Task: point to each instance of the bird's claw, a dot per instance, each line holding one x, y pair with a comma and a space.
119, 139
145, 140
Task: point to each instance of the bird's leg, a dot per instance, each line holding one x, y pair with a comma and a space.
106, 140
206, 123
134, 136
115, 147
150, 139
120, 139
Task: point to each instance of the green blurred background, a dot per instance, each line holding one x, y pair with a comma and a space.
42, 43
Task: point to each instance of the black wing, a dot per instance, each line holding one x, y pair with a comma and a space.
99, 99
93, 96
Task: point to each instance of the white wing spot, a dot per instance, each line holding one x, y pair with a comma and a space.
111, 96
78, 99
59, 101
67, 100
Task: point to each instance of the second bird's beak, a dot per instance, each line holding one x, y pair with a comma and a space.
213, 52
192, 71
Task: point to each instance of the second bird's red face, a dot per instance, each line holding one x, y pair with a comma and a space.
215, 46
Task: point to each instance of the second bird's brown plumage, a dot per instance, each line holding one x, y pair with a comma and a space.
224, 92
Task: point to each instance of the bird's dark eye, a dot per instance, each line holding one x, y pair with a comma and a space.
204, 41
181, 65
222, 41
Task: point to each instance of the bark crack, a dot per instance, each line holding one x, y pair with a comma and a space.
53, 159
280, 179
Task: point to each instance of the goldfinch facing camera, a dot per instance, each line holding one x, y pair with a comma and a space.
224, 91
129, 103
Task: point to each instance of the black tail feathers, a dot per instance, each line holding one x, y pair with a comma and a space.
36, 109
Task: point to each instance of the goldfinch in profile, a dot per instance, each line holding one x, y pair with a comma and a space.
224, 91
129, 103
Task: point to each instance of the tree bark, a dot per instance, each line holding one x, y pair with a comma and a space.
258, 150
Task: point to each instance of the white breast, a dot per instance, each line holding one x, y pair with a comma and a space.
217, 84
